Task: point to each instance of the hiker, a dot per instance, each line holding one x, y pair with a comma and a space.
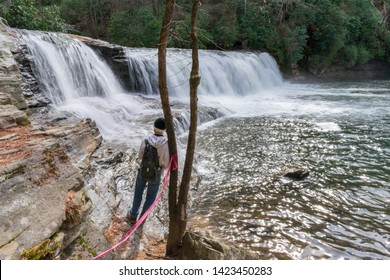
154, 154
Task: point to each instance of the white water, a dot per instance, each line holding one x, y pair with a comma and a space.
249, 84
339, 131
77, 80
224, 74
234, 81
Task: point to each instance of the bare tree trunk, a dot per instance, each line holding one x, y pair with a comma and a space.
178, 204
93, 18
164, 95
382, 9
155, 7
194, 83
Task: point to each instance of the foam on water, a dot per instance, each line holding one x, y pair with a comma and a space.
77, 80
328, 126
338, 131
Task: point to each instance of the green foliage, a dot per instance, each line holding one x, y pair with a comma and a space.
350, 55
364, 33
21, 14
87, 17
46, 250
26, 14
49, 18
295, 42
73, 11
309, 33
223, 35
135, 28
364, 55
222, 26
254, 23
3, 10
329, 38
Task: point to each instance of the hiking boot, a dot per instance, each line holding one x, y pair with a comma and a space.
131, 219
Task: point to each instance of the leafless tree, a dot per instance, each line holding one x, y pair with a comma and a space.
178, 197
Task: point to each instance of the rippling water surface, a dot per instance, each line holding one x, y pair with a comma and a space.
340, 133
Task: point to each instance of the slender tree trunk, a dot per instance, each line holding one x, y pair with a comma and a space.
93, 17
178, 204
155, 7
194, 83
164, 95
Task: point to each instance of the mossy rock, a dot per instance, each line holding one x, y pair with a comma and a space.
46, 250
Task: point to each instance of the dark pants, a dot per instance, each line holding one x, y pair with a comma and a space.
151, 193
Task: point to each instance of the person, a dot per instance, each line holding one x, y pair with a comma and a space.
160, 142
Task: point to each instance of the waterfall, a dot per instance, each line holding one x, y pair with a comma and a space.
235, 82
77, 80
223, 73
68, 69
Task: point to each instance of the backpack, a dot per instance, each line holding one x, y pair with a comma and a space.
150, 169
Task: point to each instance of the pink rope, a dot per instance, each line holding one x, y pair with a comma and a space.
172, 166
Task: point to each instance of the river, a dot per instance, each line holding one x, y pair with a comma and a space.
338, 132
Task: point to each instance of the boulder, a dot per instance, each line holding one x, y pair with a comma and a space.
201, 246
299, 174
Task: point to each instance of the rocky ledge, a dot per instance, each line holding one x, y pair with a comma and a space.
64, 191
42, 165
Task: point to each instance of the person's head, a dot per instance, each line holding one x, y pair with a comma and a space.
159, 126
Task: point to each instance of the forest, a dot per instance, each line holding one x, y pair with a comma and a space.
299, 33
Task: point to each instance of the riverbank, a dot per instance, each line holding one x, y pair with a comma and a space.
375, 69
92, 179
62, 166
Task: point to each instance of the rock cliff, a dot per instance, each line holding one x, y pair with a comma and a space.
43, 160
64, 191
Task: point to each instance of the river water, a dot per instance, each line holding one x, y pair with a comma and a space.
338, 132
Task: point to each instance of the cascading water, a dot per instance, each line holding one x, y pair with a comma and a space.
77, 80
233, 82
339, 132
223, 73
69, 70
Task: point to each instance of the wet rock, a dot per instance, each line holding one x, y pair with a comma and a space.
297, 174
114, 55
31, 88
201, 246
10, 116
373, 69
46, 178
13, 87
9, 70
110, 184
80, 141
41, 164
